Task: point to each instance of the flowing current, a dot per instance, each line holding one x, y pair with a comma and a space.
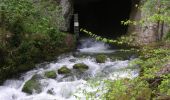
70, 87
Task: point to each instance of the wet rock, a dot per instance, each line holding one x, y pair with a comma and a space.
64, 70
101, 58
32, 86
81, 67
50, 74
51, 91
72, 60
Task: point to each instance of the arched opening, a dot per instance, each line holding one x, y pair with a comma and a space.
103, 17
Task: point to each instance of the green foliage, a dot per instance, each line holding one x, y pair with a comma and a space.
129, 90
123, 40
29, 34
152, 11
157, 10
151, 61
164, 87
29, 16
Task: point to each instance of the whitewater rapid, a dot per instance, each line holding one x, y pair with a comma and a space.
70, 87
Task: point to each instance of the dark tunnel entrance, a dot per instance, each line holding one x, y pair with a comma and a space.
103, 17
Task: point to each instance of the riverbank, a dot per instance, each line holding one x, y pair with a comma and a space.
65, 77
153, 81
32, 50
30, 34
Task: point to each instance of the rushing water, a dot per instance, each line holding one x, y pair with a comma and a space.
66, 87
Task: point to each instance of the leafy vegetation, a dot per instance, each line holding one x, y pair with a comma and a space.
153, 81
126, 41
29, 34
151, 84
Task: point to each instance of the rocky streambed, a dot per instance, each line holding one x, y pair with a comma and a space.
69, 75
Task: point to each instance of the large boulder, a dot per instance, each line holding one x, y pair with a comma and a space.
50, 74
64, 70
81, 67
32, 86
101, 58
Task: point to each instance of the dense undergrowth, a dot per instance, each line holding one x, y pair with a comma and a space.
154, 79
29, 34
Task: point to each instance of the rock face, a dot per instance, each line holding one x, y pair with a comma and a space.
67, 11
149, 32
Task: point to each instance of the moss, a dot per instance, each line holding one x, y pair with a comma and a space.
123, 55
64, 70
31, 86
101, 58
81, 67
50, 74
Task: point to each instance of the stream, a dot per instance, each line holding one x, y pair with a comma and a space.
71, 87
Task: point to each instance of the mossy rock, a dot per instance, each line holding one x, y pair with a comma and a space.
101, 58
81, 67
123, 55
116, 58
50, 74
64, 70
32, 85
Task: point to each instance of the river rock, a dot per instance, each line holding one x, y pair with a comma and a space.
64, 70
50, 74
101, 58
72, 60
51, 91
81, 67
32, 85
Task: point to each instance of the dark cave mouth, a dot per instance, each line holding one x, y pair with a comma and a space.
103, 17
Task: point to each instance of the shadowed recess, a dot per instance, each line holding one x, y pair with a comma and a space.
103, 17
